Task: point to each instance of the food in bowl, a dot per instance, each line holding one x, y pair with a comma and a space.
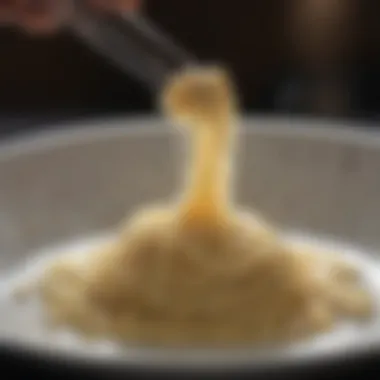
200, 271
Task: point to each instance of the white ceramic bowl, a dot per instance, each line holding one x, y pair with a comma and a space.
56, 186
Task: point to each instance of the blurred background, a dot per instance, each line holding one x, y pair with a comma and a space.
318, 58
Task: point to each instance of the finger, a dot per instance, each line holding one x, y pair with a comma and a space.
40, 16
6, 11
117, 5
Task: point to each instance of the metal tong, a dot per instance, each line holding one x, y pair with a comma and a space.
132, 44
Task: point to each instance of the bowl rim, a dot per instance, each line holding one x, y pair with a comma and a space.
82, 130
90, 130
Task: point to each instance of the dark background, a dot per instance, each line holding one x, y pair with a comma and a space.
280, 64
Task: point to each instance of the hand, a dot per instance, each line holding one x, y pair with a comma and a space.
44, 16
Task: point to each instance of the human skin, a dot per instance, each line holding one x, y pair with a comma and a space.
46, 16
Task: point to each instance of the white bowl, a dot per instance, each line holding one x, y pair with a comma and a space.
56, 186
